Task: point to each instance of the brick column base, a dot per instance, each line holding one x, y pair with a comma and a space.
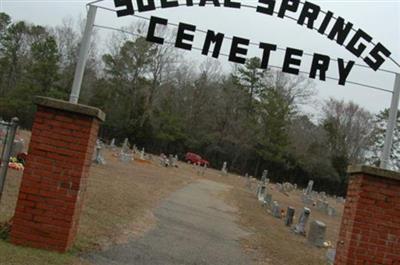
370, 229
55, 176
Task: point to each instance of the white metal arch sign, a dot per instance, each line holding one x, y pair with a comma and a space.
307, 14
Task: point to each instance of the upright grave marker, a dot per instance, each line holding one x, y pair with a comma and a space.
262, 191
268, 199
126, 154
300, 228
224, 169
289, 216
309, 187
276, 210
264, 176
112, 144
316, 235
142, 154
97, 156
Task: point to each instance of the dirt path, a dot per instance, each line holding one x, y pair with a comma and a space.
194, 227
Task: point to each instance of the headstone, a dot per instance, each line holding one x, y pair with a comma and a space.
125, 146
125, 157
290, 187
330, 256
340, 200
287, 187
125, 154
204, 169
261, 193
289, 216
198, 169
276, 210
258, 189
164, 160
112, 144
306, 199
325, 206
319, 204
96, 150
98, 158
175, 161
249, 180
300, 228
268, 199
224, 169
264, 176
142, 154
322, 206
331, 211
17, 147
135, 149
309, 187
316, 234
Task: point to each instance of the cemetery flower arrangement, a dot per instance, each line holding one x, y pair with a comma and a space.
15, 164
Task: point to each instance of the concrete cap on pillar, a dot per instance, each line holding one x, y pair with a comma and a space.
67, 106
374, 171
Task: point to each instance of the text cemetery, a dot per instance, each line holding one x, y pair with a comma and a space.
356, 41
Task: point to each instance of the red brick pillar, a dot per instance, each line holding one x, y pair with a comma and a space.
55, 176
370, 230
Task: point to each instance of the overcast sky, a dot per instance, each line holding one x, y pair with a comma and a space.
380, 19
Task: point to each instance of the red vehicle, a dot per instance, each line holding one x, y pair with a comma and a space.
196, 159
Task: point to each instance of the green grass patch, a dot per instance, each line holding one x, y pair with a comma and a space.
15, 255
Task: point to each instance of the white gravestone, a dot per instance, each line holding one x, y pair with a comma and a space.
331, 211
300, 228
204, 169
142, 154
309, 187
330, 256
261, 193
175, 161
264, 176
125, 154
316, 235
276, 210
112, 144
224, 169
268, 199
98, 158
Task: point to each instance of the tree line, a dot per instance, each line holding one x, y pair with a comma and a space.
162, 101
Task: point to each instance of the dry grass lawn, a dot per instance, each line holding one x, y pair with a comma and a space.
121, 197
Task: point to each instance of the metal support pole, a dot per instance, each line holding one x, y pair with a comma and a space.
391, 125
83, 55
5, 156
